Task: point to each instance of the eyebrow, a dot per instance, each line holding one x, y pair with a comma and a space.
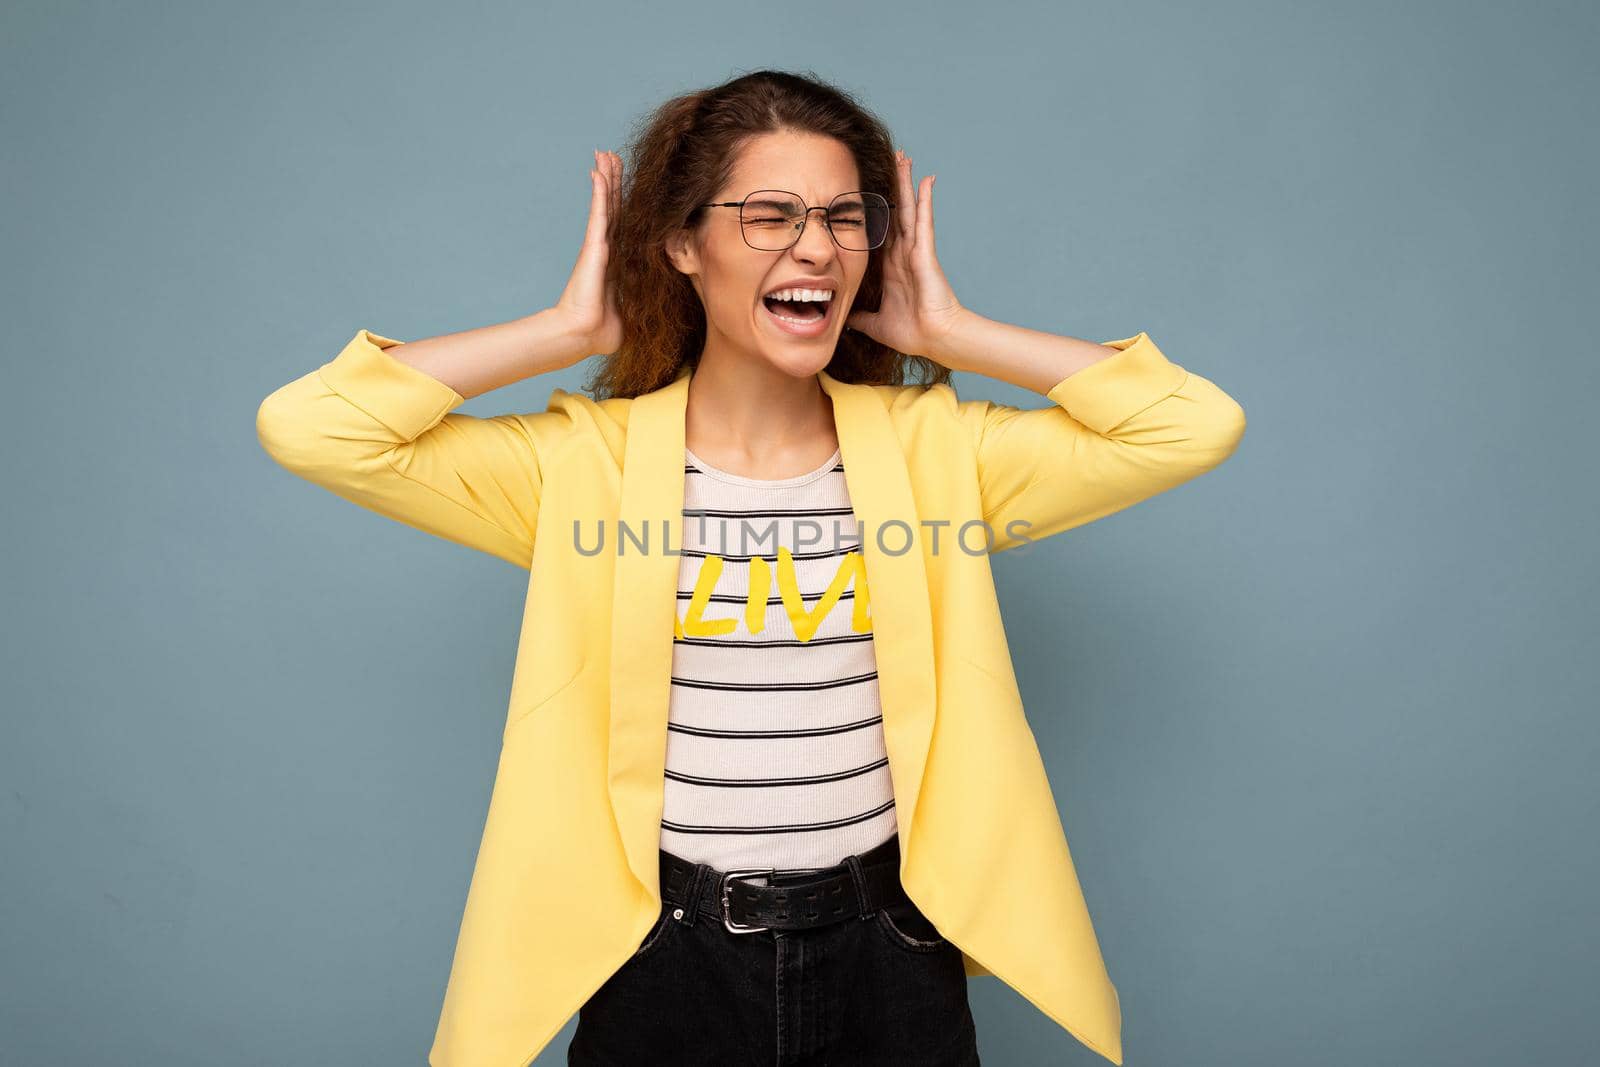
824, 203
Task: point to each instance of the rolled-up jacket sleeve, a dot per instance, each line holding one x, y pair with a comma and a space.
1119, 431
384, 435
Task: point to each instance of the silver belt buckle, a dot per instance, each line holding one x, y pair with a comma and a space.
727, 920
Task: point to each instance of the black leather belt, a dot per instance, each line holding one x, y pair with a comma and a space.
789, 899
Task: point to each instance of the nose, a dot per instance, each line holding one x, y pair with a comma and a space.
816, 230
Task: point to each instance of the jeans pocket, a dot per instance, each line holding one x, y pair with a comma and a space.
658, 933
904, 925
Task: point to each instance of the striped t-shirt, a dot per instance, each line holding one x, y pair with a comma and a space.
775, 751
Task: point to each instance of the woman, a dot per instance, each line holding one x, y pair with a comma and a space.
767, 793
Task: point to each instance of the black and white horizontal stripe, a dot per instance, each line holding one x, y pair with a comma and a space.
775, 750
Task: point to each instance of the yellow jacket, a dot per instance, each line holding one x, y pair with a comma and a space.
579, 787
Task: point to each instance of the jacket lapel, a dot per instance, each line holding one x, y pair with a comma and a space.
644, 604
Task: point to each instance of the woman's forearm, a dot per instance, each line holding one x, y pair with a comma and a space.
1028, 358
478, 360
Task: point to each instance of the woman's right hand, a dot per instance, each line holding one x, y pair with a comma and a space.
588, 306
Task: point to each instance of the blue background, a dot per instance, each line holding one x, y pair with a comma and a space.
1315, 721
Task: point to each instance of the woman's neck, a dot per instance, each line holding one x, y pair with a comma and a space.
750, 418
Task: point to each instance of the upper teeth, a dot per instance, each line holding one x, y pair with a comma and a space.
801, 294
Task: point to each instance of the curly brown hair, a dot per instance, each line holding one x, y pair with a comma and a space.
677, 157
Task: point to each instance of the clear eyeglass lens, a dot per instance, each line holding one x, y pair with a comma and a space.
771, 220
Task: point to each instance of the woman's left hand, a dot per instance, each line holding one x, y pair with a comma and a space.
918, 309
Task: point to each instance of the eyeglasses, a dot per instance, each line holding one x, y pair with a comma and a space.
773, 220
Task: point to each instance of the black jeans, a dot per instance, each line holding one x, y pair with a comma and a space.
883, 991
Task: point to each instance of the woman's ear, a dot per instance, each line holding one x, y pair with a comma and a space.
682, 251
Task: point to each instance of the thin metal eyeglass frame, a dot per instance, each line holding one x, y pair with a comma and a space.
799, 232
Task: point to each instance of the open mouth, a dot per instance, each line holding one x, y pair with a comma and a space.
800, 318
